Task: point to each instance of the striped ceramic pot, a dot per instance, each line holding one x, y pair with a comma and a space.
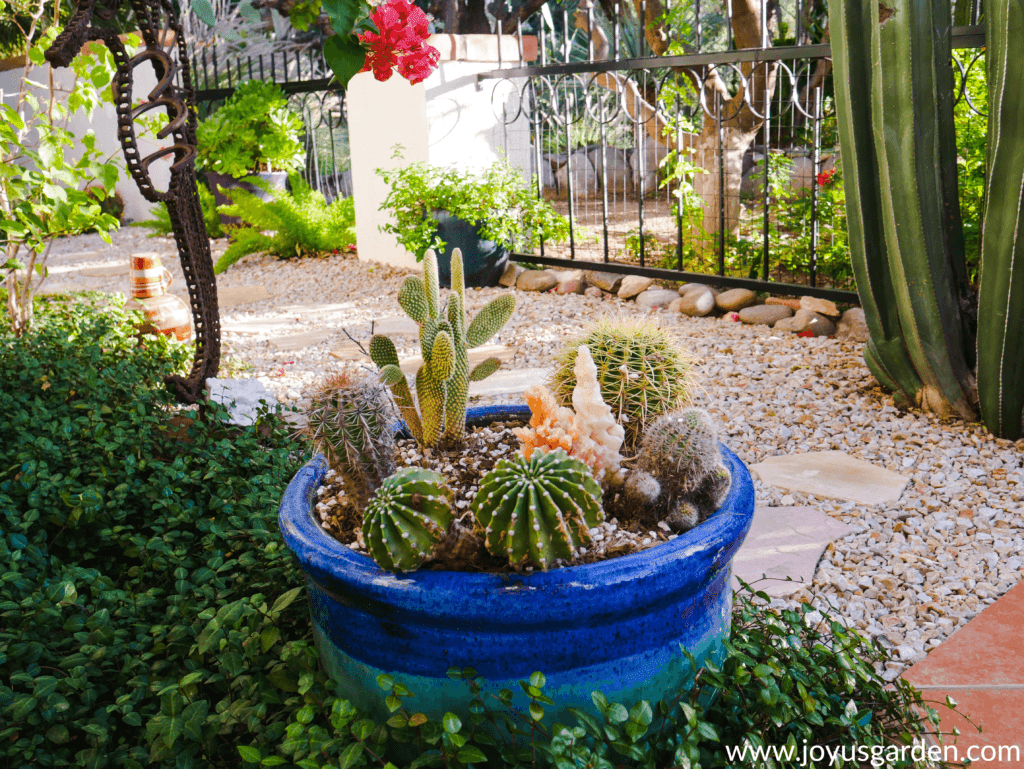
165, 313
615, 626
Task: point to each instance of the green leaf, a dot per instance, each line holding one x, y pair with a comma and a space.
616, 713
345, 56
285, 600
350, 755
204, 12
538, 680
451, 723
343, 14
250, 754
470, 754
536, 711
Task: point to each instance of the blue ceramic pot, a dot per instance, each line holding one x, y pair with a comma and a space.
614, 626
483, 261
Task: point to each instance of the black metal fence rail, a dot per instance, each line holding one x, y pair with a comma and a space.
590, 122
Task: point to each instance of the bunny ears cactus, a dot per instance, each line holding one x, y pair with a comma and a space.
442, 382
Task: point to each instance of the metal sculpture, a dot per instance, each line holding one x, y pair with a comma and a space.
161, 30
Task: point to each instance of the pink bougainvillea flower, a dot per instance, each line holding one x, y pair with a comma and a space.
403, 28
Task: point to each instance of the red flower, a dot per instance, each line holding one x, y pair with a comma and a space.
417, 66
403, 28
825, 177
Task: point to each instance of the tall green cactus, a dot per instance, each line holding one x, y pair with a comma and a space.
894, 94
1001, 289
442, 382
894, 97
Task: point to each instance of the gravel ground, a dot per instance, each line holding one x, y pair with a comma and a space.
911, 572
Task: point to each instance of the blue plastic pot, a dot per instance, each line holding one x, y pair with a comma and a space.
483, 261
614, 626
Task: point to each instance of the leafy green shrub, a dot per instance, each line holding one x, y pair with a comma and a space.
497, 199
160, 224
150, 614
302, 222
147, 604
254, 131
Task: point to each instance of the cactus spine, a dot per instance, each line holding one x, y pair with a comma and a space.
442, 382
1001, 289
407, 516
350, 422
641, 371
538, 509
680, 449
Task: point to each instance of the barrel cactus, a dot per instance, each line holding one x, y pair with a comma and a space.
406, 518
642, 372
539, 509
349, 420
442, 382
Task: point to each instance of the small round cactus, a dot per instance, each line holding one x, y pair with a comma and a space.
642, 372
538, 509
408, 515
680, 448
349, 420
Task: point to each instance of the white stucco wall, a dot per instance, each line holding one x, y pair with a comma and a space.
104, 125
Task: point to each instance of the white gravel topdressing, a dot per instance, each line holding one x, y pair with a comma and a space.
912, 572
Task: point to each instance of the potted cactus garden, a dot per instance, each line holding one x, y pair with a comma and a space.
498, 572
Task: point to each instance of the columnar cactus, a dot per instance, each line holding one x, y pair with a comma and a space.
538, 509
894, 90
350, 422
642, 372
442, 382
407, 516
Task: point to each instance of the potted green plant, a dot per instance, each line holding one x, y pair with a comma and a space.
254, 134
483, 214
615, 625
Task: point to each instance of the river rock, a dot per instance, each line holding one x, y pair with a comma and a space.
765, 314
820, 306
593, 291
606, 281
697, 304
536, 280
793, 304
735, 299
657, 297
686, 288
852, 327
675, 304
634, 285
807, 320
511, 275
570, 282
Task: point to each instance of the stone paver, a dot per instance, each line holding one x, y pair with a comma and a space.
241, 396
980, 667
509, 382
300, 341
477, 355
785, 542
832, 474
105, 272
236, 295
398, 325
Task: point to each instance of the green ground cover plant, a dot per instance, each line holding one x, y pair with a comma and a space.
150, 614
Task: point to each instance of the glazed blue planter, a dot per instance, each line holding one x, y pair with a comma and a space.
614, 626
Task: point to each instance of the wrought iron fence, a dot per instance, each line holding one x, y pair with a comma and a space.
717, 166
301, 72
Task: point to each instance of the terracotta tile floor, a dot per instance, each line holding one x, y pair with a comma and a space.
981, 666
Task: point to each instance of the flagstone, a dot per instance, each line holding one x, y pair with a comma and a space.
241, 397
785, 542
477, 355
300, 341
834, 475
510, 382
232, 296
